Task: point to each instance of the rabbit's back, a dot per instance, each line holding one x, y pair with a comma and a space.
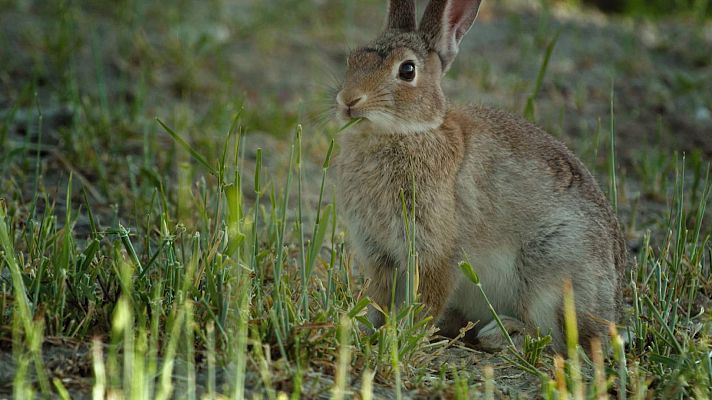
516, 173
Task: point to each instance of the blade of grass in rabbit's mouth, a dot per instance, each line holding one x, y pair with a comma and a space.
349, 124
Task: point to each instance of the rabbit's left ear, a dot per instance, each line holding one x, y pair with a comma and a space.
401, 15
444, 24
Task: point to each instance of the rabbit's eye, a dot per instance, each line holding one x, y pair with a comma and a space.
406, 71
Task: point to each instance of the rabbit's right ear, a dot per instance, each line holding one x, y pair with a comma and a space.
444, 24
401, 15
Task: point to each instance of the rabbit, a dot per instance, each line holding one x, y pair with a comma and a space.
490, 188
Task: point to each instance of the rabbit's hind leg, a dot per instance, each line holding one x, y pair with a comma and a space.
491, 338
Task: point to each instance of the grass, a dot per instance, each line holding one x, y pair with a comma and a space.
187, 260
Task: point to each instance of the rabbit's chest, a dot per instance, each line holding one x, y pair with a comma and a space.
374, 189
376, 184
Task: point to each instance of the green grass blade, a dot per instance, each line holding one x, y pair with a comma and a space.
194, 153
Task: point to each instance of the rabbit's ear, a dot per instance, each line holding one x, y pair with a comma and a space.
444, 24
401, 15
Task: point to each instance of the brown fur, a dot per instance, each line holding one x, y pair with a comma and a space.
490, 188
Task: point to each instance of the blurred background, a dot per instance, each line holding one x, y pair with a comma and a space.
700, 8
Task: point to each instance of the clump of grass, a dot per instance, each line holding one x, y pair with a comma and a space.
178, 283
247, 287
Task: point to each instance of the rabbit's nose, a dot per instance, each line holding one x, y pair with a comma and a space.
355, 101
351, 101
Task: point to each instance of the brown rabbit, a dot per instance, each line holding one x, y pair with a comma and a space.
490, 188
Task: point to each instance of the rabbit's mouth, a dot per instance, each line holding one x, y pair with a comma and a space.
349, 113
368, 114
